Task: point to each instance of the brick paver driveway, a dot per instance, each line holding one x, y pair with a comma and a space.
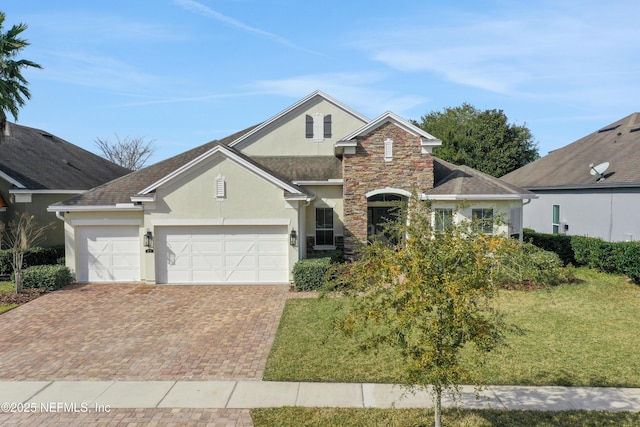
142, 332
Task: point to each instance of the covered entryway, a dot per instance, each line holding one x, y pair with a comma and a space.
381, 208
222, 254
108, 254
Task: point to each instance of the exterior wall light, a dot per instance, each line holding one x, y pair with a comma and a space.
293, 238
148, 241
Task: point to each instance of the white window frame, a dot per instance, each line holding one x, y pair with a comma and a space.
446, 218
332, 229
484, 220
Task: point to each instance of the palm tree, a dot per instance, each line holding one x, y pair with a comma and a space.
13, 86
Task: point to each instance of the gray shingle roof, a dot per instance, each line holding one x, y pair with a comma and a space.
450, 179
41, 161
122, 189
303, 168
617, 143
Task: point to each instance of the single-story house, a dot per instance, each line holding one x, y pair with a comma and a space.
590, 187
38, 169
316, 176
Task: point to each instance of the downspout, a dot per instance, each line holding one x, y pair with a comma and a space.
60, 215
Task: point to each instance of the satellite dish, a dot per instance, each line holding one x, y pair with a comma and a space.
599, 170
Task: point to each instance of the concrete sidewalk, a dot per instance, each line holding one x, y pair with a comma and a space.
256, 394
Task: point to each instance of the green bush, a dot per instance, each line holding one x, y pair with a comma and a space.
33, 256
557, 243
49, 277
336, 255
311, 274
609, 257
528, 264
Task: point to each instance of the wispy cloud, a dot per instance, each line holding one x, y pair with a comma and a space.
95, 71
194, 6
354, 89
92, 28
566, 49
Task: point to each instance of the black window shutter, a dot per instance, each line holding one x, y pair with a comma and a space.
309, 127
327, 126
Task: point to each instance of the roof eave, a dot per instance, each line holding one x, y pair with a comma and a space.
582, 186
121, 207
478, 197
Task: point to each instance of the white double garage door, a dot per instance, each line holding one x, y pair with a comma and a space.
186, 254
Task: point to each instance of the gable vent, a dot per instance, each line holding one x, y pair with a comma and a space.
220, 188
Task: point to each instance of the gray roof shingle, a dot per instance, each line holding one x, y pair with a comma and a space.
617, 143
41, 161
122, 189
450, 179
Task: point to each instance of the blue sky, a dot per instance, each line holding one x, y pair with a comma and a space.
184, 72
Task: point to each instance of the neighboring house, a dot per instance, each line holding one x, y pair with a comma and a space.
317, 176
38, 169
574, 199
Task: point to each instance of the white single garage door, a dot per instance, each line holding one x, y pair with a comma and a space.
108, 254
222, 254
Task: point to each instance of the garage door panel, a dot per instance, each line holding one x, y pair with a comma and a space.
222, 254
240, 261
128, 261
275, 262
239, 246
108, 254
207, 261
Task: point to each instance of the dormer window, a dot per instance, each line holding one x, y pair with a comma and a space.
388, 150
318, 127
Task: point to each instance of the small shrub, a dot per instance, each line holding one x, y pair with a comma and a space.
310, 274
49, 277
336, 255
527, 264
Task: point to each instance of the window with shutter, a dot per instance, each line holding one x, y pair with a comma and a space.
309, 126
327, 126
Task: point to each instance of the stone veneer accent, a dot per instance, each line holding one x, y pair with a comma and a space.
367, 170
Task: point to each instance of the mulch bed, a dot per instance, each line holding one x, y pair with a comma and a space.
23, 297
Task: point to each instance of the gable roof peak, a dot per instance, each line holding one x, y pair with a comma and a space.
303, 101
389, 116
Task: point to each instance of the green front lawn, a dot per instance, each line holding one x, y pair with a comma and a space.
6, 287
583, 334
327, 417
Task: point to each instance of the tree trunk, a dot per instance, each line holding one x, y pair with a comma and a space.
18, 276
18, 258
437, 413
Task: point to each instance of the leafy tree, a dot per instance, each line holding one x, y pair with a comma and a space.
131, 153
429, 296
13, 86
483, 140
21, 235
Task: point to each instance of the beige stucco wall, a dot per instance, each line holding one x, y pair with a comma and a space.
286, 137
501, 211
325, 196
